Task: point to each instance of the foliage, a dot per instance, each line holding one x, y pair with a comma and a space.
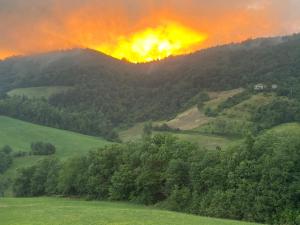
256, 180
4, 184
37, 180
210, 112
234, 100
40, 112
6, 158
41, 148
280, 110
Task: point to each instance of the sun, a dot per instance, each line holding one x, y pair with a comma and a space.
154, 43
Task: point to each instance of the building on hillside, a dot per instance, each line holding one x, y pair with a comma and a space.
259, 87
274, 86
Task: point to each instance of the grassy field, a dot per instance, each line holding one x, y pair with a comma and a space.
189, 119
19, 135
38, 92
208, 141
219, 97
57, 211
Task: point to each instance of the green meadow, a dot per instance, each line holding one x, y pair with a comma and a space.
58, 211
19, 135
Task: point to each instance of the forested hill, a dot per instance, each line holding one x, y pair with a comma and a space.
104, 93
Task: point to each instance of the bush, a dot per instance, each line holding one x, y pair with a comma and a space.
210, 112
37, 180
20, 154
40, 148
280, 110
6, 158
4, 184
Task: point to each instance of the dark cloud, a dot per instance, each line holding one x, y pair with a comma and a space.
41, 25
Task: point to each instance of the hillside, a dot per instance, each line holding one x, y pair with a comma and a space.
75, 212
117, 93
19, 135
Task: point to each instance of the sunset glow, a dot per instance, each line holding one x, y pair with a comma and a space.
140, 31
154, 43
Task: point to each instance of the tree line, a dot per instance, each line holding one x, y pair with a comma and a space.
257, 180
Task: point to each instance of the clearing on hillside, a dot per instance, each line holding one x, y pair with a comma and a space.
38, 92
193, 117
208, 141
57, 211
189, 119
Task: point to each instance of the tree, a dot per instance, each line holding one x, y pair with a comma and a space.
40, 148
6, 158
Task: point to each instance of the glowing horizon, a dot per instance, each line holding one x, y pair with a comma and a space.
153, 44
139, 31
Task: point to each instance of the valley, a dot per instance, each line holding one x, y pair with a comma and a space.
191, 134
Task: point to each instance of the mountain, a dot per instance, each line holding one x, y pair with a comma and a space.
105, 93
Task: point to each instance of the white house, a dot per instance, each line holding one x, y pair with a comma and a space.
259, 87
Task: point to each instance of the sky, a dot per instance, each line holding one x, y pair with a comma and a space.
31, 26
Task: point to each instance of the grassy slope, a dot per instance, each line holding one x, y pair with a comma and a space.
208, 141
237, 117
288, 129
190, 119
245, 109
38, 92
19, 135
56, 211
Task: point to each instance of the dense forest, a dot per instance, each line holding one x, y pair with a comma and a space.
107, 93
257, 180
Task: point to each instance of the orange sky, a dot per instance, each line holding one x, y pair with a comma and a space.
35, 26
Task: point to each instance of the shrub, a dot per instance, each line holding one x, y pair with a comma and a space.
40, 148
6, 158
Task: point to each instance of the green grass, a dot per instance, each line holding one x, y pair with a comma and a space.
57, 211
208, 141
38, 92
19, 135
288, 129
188, 120
245, 109
218, 97
132, 133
